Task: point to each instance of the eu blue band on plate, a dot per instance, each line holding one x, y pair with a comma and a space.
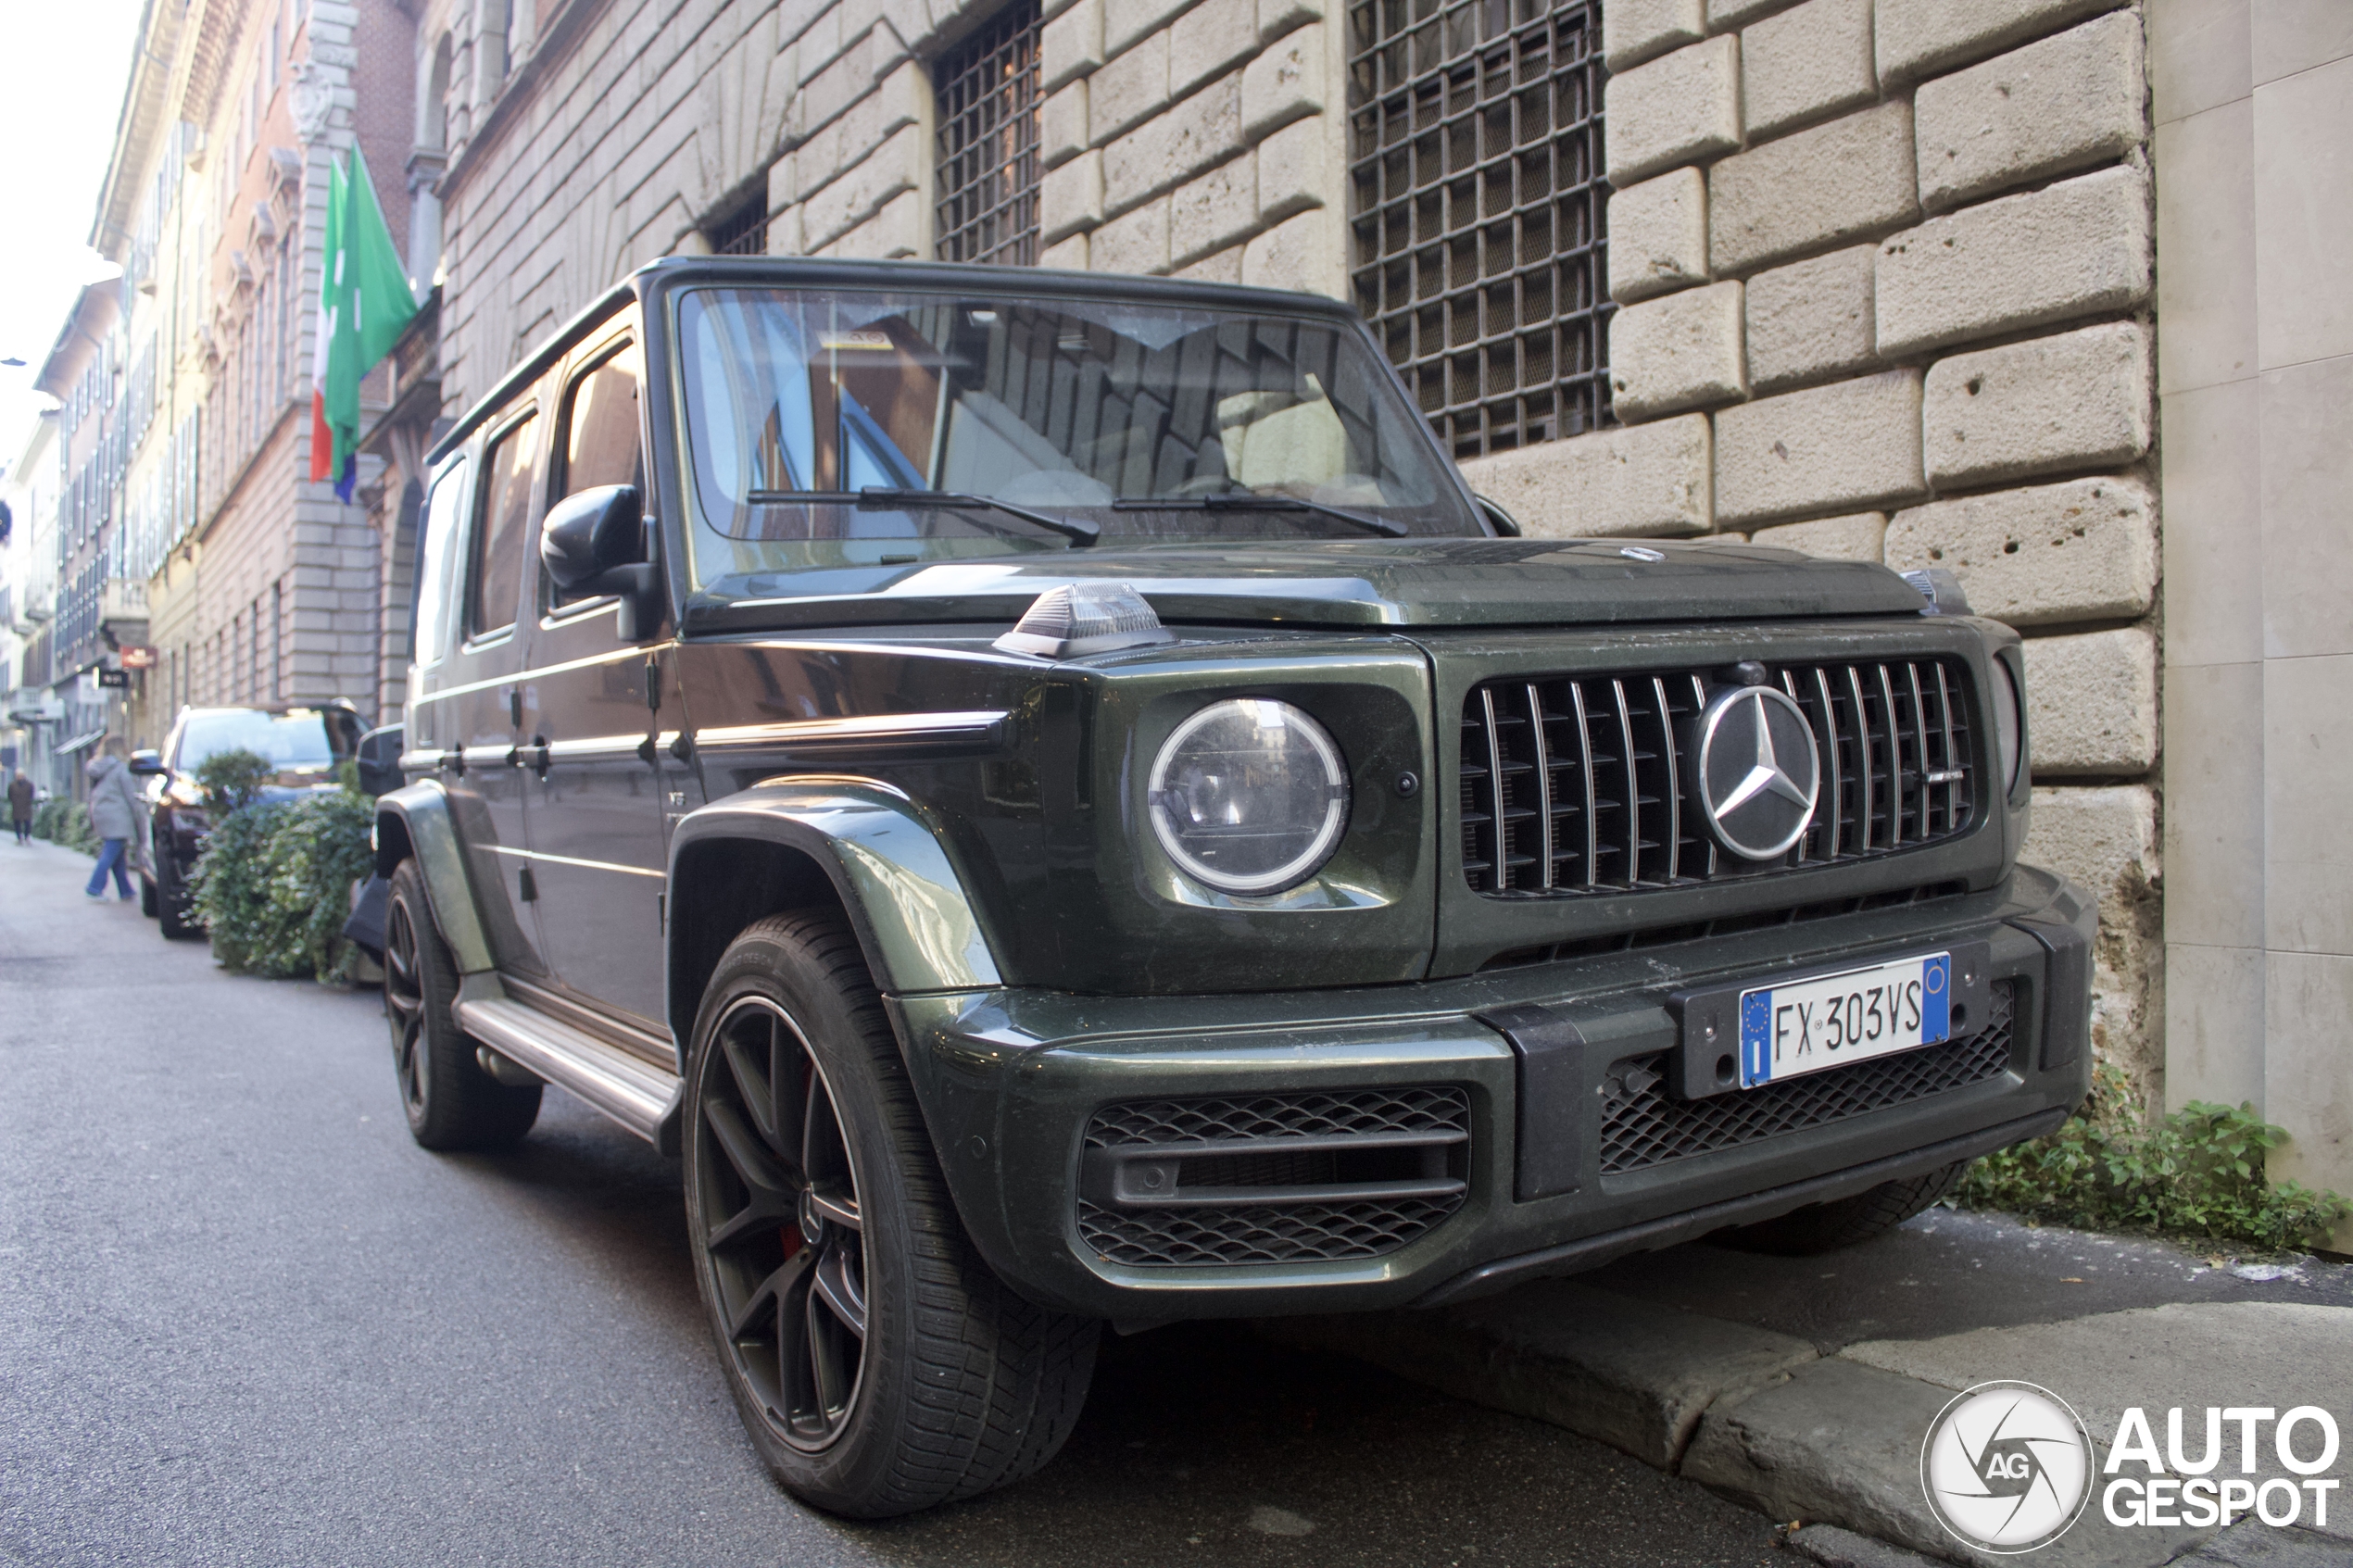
1936, 999
1756, 1036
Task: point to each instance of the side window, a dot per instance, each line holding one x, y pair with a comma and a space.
437, 554
599, 443
494, 574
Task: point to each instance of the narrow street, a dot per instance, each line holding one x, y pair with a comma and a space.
244, 1320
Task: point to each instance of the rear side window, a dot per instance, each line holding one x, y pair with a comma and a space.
436, 558
600, 427
495, 578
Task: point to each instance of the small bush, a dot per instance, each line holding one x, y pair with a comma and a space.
232, 780
62, 820
274, 885
2197, 1172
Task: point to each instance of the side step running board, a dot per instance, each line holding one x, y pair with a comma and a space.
634, 1092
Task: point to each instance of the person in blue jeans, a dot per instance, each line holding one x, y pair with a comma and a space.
114, 817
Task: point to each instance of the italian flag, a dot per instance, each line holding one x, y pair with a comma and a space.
364, 301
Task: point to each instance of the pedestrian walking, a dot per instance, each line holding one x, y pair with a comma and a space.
114, 817
21, 806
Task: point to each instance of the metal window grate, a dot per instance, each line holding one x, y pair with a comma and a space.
1575, 786
742, 231
989, 99
1477, 201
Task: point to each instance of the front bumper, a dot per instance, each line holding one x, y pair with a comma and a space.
1549, 1180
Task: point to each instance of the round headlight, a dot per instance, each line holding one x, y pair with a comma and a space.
1248, 795
2006, 723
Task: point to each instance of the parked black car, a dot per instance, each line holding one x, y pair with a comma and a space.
307, 742
1049, 793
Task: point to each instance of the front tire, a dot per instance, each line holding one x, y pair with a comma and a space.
450, 1101
877, 1363
171, 902
1827, 1227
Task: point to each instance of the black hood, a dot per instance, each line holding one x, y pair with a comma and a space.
1465, 582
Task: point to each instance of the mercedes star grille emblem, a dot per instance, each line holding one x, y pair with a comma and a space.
1760, 774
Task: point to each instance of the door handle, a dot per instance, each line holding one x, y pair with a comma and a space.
454, 761
539, 745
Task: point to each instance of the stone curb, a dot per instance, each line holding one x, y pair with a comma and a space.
1829, 1442
1635, 1376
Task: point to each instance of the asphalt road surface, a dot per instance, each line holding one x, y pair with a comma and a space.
243, 1319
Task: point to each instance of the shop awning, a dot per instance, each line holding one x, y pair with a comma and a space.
79, 742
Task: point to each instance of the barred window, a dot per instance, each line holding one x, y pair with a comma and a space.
743, 229
988, 100
1477, 208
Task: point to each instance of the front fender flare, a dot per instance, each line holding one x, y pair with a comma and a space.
422, 812
917, 923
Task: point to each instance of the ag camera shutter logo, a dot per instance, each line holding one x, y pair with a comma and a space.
2007, 1467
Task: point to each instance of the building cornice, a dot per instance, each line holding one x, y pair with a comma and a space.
146, 99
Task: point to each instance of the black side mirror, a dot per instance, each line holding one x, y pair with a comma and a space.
1505, 525
378, 756
594, 543
147, 763
590, 533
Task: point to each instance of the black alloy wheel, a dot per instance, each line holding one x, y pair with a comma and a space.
451, 1103
878, 1366
781, 1224
405, 1007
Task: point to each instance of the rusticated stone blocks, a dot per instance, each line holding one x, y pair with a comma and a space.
2079, 400
2083, 550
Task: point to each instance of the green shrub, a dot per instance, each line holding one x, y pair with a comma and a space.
62, 820
274, 885
2197, 1172
232, 780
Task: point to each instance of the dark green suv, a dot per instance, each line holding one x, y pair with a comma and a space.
1052, 797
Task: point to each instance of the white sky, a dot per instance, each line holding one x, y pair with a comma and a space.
66, 61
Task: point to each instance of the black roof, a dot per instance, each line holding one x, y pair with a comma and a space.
923, 277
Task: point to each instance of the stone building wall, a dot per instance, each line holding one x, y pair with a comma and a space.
1885, 279
1174, 139
2253, 108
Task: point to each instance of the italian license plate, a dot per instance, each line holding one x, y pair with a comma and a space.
1813, 1025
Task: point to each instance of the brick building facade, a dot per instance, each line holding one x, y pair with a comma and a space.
1870, 277
260, 586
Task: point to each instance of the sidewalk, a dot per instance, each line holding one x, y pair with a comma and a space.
1804, 1387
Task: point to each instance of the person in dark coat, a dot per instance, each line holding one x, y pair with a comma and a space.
114, 817
21, 806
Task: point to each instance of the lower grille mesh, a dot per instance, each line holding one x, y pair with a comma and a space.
1307, 1233
1647, 1126
1264, 1141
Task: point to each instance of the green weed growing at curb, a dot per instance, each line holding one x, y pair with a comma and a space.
2197, 1172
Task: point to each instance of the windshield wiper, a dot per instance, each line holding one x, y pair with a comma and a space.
1249, 503
875, 498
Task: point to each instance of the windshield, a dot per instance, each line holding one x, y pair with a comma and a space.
1138, 422
295, 739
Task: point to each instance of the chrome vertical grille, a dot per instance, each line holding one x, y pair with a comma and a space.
1574, 784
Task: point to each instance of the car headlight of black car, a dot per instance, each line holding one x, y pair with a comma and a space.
2007, 704
1248, 795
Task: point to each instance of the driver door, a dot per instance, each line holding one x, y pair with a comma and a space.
594, 780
